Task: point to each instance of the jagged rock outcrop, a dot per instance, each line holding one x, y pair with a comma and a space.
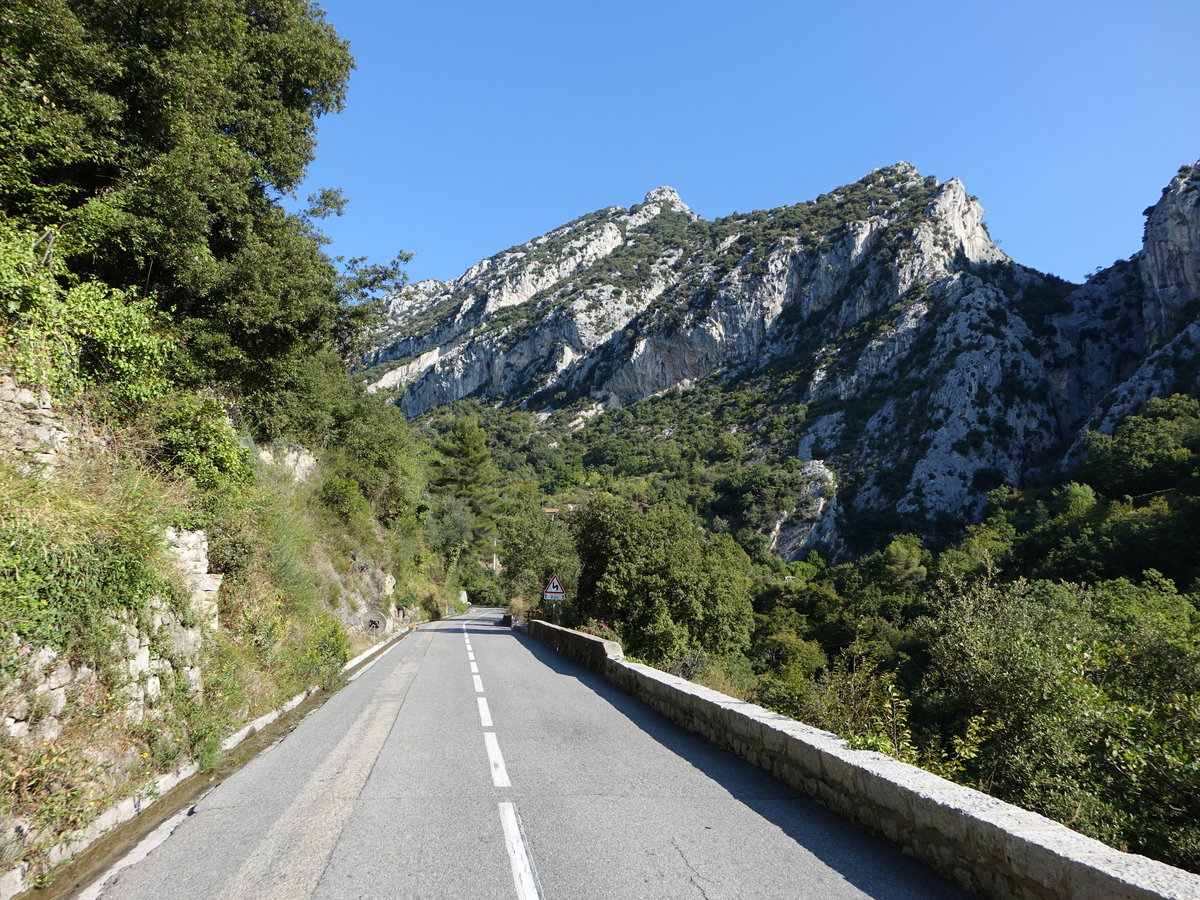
623, 304
1143, 314
932, 366
1170, 259
814, 522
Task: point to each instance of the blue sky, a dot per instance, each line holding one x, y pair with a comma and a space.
474, 126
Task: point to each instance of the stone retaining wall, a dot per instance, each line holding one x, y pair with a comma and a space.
37, 697
989, 847
30, 430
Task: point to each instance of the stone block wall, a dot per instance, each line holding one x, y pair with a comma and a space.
29, 428
38, 696
991, 848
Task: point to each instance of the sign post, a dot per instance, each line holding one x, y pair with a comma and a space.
554, 593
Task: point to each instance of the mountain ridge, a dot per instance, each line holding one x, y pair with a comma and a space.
931, 366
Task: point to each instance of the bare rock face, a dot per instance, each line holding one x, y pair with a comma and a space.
814, 523
962, 218
1170, 258
31, 432
623, 304
1142, 329
933, 367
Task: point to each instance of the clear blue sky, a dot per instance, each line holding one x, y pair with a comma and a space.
474, 126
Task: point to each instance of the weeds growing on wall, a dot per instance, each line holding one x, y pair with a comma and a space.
82, 553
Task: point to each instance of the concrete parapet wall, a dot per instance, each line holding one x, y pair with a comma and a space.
991, 848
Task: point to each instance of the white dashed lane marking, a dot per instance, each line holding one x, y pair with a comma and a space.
524, 876
496, 761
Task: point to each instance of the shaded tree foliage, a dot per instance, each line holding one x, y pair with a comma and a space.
535, 548
151, 143
463, 466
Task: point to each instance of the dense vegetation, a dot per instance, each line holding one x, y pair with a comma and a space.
153, 281
1049, 655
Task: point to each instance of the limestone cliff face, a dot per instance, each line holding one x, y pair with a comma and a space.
1146, 317
1170, 259
435, 314
622, 304
932, 367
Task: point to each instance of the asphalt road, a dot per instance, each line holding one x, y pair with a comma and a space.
471, 761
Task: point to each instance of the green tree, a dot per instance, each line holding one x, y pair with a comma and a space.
533, 549
150, 147
660, 582
1155, 450
450, 525
463, 466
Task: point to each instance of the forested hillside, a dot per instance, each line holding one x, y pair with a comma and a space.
176, 340
1049, 654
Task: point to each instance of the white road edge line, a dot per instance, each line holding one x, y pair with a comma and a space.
478, 684
499, 773
485, 714
524, 877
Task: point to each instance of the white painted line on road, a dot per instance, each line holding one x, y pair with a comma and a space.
367, 667
382, 645
475, 668
524, 877
470, 656
478, 684
499, 773
485, 714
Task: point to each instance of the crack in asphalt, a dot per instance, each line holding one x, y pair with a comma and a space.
695, 872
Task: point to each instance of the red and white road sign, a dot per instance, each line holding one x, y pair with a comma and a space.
554, 590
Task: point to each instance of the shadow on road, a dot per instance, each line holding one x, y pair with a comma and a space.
869, 863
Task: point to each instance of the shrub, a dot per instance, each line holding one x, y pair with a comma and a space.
88, 335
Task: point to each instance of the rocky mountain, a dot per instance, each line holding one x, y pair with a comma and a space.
921, 366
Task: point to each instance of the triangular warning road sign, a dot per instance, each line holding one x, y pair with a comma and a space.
554, 588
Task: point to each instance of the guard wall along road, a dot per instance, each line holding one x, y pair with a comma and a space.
989, 847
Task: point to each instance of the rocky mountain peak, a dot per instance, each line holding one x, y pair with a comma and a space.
877, 326
962, 216
1170, 258
901, 169
661, 199
667, 196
